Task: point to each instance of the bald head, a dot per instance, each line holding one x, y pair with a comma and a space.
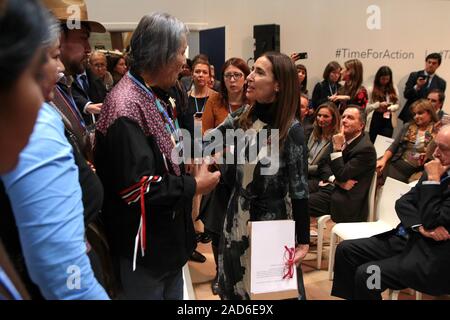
442, 140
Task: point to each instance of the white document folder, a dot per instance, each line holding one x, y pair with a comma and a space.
381, 144
268, 258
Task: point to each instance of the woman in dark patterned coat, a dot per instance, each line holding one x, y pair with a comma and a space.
271, 187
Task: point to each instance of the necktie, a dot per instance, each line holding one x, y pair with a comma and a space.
84, 83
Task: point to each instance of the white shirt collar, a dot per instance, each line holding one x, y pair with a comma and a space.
352, 139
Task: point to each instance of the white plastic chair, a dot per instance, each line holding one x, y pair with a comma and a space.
322, 221
385, 212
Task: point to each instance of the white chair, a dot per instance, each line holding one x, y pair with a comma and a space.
385, 214
322, 221
393, 294
381, 144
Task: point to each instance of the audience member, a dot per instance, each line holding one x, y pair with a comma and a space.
99, 66
329, 85
117, 66
408, 152
420, 83
413, 255
326, 125
349, 171
383, 105
352, 92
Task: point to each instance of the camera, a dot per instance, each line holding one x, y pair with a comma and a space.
300, 56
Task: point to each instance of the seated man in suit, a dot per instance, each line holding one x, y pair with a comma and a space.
420, 83
347, 174
414, 255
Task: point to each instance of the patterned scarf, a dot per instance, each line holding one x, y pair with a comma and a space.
128, 99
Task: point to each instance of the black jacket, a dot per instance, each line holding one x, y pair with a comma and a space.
95, 94
412, 95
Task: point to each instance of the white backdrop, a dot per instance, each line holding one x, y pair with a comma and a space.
326, 29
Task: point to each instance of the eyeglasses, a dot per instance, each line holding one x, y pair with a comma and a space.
236, 76
100, 66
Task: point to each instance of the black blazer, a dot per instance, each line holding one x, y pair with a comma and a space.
412, 95
322, 90
425, 262
95, 94
358, 162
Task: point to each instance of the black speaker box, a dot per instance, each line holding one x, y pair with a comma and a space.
267, 38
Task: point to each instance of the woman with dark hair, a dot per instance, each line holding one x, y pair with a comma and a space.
326, 124
329, 85
258, 192
48, 176
353, 92
383, 105
20, 60
117, 66
410, 149
302, 78
148, 195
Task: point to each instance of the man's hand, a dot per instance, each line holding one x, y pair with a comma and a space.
94, 108
438, 234
206, 180
421, 81
300, 253
348, 185
435, 170
339, 140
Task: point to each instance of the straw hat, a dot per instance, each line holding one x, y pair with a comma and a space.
62, 11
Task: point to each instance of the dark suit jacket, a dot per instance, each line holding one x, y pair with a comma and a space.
358, 162
95, 94
412, 95
425, 262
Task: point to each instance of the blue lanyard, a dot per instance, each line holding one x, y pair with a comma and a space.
171, 127
196, 105
9, 286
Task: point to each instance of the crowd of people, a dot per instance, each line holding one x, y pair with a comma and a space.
94, 205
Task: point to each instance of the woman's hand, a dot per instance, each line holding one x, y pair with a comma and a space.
381, 164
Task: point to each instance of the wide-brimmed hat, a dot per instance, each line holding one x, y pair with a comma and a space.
63, 11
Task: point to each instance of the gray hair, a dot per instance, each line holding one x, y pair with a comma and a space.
54, 31
155, 42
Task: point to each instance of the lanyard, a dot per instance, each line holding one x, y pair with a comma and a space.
331, 90
8, 285
196, 104
72, 105
171, 127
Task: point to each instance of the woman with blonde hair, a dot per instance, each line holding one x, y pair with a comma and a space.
409, 151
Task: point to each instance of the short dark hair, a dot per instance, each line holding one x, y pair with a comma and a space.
24, 27
331, 66
435, 55
440, 93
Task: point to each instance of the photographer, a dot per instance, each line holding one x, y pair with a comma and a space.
421, 82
